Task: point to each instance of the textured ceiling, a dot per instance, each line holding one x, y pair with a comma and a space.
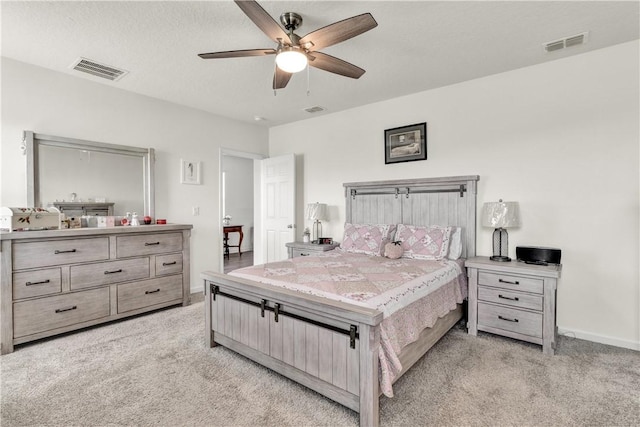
418, 45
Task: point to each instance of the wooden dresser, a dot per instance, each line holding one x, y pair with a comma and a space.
61, 280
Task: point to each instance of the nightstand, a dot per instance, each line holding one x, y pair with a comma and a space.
308, 249
514, 299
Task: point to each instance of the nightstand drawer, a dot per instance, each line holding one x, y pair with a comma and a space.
298, 252
512, 298
516, 283
510, 319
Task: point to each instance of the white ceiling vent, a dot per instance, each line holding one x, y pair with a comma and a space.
95, 68
578, 39
315, 109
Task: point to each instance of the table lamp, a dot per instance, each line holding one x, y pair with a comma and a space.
500, 215
316, 212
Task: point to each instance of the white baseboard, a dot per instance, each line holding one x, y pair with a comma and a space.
602, 339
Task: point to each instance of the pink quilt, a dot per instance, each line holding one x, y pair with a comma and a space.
412, 294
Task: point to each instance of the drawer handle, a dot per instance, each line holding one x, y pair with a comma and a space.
509, 298
507, 319
62, 310
164, 264
113, 271
506, 281
152, 292
152, 244
64, 252
37, 283
305, 254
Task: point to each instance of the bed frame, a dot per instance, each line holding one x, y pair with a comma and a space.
330, 346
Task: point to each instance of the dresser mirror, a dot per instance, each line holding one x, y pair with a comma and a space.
88, 174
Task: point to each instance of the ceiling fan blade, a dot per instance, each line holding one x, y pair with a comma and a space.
280, 79
237, 53
263, 20
339, 31
335, 65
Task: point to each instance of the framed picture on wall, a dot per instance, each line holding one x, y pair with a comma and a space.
189, 172
405, 144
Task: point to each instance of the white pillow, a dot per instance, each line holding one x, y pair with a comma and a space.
455, 243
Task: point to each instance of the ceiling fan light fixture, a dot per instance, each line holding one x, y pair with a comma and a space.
291, 59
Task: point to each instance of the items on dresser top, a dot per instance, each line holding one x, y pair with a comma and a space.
514, 299
59, 281
25, 219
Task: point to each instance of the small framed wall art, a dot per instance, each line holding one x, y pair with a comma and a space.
189, 172
405, 144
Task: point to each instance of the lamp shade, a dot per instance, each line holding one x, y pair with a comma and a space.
317, 211
501, 214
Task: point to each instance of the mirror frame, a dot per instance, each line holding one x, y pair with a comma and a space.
33, 142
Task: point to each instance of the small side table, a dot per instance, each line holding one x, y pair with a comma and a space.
225, 240
308, 249
514, 299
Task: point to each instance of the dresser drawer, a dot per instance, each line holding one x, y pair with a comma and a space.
510, 319
506, 281
44, 314
105, 273
132, 296
36, 283
511, 298
168, 264
148, 244
58, 252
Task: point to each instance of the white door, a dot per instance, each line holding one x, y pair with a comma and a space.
275, 217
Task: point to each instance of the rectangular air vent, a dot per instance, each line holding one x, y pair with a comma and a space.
100, 70
576, 40
315, 109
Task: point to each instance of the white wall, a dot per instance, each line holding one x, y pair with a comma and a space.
53, 103
239, 198
561, 138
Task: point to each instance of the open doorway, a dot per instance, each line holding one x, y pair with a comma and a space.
237, 208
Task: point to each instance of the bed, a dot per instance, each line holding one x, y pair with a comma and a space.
337, 345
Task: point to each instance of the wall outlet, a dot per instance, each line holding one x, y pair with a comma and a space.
196, 210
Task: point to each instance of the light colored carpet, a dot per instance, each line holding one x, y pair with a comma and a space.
155, 370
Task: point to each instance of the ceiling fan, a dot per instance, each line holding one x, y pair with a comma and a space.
293, 52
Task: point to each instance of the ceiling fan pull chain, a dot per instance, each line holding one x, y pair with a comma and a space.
308, 78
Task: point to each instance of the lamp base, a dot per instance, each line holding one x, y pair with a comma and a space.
500, 258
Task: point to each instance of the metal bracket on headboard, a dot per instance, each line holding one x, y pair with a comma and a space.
353, 194
463, 188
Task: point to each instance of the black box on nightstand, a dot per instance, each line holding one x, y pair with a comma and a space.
538, 255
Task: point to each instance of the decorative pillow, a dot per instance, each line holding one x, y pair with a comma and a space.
455, 244
393, 250
365, 238
424, 242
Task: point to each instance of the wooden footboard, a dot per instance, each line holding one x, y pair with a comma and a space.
328, 346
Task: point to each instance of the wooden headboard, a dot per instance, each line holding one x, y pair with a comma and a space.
426, 201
